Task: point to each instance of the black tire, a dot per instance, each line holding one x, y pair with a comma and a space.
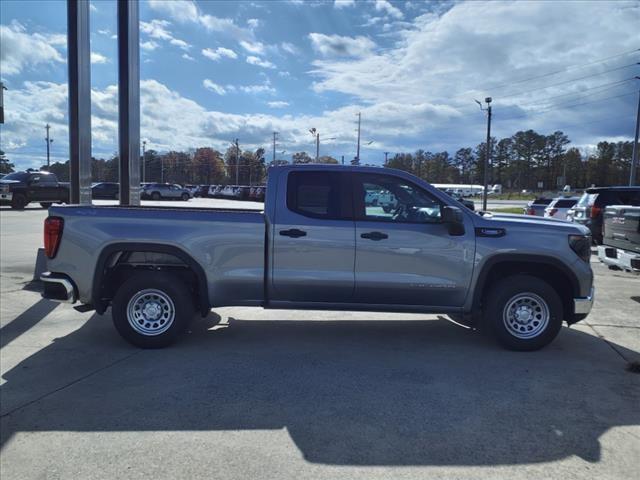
19, 201
185, 197
155, 196
144, 285
537, 299
46, 205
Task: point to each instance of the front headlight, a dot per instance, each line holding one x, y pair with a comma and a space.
581, 244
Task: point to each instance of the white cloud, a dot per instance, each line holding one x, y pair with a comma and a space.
180, 10
343, 3
20, 50
253, 47
149, 46
290, 48
339, 46
386, 7
254, 22
259, 62
278, 104
98, 58
159, 30
186, 56
218, 53
214, 87
105, 31
254, 89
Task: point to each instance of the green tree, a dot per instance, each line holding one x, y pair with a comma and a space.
301, 157
5, 165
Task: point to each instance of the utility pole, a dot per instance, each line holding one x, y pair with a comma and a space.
144, 160
358, 146
487, 153
634, 158
342, 159
275, 136
386, 158
49, 142
237, 162
2, 89
317, 147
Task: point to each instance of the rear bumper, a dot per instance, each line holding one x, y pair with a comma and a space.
616, 257
582, 305
58, 287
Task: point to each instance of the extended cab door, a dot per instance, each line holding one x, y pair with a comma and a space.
313, 245
405, 254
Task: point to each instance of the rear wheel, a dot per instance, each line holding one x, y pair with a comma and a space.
19, 201
523, 312
155, 196
150, 310
185, 197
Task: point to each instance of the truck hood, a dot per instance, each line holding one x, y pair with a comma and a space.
11, 183
504, 220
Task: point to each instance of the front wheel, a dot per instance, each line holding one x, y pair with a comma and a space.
185, 197
19, 201
155, 196
523, 312
150, 310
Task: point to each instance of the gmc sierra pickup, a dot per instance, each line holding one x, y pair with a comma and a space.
319, 244
18, 189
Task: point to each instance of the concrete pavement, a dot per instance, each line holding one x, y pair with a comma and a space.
249, 393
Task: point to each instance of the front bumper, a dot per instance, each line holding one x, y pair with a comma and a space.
6, 197
616, 257
582, 305
58, 287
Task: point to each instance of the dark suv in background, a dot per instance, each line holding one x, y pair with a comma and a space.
590, 208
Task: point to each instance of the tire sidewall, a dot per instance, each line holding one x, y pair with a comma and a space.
500, 296
172, 287
155, 196
19, 201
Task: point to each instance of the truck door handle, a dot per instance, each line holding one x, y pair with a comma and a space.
293, 233
375, 236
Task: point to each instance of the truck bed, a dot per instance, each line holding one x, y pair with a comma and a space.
227, 243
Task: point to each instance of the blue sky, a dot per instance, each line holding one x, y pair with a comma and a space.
214, 71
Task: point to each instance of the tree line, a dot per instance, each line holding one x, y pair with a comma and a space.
526, 160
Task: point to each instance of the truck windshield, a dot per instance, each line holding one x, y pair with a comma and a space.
20, 176
587, 199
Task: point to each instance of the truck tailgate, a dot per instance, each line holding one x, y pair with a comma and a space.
622, 227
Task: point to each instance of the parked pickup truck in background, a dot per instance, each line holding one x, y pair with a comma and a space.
319, 245
18, 189
621, 241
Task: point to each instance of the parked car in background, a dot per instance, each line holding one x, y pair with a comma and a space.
559, 207
192, 189
589, 209
18, 189
215, 191
105, 191
536, 207
202, 191
164, 191
467, 203
257, 194
621, 240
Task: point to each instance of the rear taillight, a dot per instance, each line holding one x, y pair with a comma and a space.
595, 211
531, 211
52, 235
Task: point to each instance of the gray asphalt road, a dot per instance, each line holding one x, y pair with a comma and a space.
250, 393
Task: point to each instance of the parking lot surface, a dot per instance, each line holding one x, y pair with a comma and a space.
251, 393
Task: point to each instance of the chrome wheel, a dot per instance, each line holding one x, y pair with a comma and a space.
150, 312
526, 315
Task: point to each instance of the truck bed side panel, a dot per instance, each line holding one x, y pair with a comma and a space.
228, 245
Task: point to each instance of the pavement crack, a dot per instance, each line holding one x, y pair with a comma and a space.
613, 347
63, 387
613, 326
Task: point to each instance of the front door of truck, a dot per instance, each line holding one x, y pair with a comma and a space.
404, 252
313, 245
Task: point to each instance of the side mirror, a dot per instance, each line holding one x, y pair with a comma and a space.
454, 219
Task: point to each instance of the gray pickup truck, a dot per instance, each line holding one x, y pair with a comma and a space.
319, 244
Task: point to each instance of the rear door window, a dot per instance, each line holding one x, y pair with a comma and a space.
318, 195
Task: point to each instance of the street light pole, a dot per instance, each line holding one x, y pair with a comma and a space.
487, 152
144, 160
358, 146
634, 158
386, 158
237, 162
317, 146
275, 135
49, 142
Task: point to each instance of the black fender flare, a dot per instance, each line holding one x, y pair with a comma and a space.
524, 258
105, 254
